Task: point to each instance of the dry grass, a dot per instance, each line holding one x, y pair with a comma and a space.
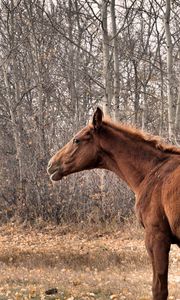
92, 263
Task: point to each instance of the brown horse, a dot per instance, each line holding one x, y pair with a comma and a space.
149, 167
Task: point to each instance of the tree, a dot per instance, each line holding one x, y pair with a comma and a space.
106, 56
116, 82
169, 70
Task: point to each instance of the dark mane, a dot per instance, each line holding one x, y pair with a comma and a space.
154, 141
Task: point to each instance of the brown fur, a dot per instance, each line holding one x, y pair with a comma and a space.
154, 141
150, 167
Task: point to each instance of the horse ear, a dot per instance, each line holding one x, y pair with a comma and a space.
97, 118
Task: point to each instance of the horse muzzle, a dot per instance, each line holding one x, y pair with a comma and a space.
54, 171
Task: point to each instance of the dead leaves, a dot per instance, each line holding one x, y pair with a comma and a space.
82, 266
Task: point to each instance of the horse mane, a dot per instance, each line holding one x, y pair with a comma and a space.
154, 141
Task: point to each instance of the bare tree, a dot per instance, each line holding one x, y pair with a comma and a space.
116, 83
106, 56
169, 70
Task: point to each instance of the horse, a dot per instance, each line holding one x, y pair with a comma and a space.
150, 167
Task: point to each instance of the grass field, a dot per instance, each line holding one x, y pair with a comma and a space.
82, 264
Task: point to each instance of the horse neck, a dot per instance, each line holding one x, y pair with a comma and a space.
129, 157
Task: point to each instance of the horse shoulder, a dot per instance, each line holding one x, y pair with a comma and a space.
171, 199
158, 198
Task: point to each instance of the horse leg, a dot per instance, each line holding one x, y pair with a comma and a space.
158, 247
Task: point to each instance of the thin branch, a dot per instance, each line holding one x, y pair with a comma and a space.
66, 37
23, 95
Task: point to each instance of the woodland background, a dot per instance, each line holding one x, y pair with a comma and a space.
59, 59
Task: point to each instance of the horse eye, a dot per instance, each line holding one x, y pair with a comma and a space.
76, 141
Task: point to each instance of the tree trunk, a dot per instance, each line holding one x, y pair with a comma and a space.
177, 117
13, 97
16, 135
169, 70
106, 57
116, 87
36, 54
136, 91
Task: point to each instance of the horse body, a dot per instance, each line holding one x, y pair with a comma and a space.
158, 208
152, 171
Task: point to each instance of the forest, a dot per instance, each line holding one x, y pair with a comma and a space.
59, 60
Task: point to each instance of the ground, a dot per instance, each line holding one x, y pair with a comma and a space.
103, 262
